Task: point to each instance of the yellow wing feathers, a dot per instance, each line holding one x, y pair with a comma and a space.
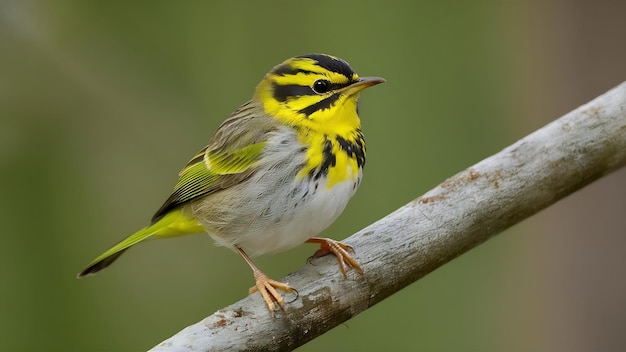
210, 171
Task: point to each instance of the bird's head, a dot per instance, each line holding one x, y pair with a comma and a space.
315, 91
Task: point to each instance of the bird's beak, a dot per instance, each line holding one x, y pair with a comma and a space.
362, 83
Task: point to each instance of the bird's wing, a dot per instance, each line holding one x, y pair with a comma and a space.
229, 159
209, 171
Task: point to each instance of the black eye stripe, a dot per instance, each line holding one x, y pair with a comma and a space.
283, 92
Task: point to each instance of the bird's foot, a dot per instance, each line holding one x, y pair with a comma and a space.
339, 250
267, 287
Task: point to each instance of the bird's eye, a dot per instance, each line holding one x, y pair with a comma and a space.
321, 86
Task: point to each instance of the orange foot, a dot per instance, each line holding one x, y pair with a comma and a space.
340, 250
266, 286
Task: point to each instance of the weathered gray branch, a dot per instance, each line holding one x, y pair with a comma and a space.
457, 215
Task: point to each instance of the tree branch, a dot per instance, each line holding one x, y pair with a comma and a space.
454, 217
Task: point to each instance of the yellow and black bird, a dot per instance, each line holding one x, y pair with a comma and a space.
276, 173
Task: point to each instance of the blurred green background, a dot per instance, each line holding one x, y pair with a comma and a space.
101, 103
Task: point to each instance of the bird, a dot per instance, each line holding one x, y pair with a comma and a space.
277, 172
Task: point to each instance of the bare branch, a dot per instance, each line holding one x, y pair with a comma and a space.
454, 217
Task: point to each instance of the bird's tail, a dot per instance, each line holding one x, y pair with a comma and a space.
174, 223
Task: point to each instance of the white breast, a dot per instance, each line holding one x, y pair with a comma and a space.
311, 214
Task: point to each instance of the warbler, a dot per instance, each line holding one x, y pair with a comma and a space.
276, 173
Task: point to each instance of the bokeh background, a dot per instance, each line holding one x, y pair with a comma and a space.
102, 102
